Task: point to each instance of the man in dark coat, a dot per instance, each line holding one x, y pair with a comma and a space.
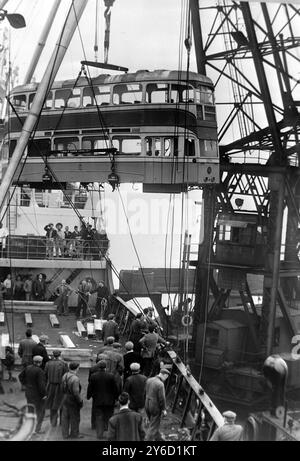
136, 332
34, 380
104, 392
25, 348
102, 299
94, 369
126, 425
149, 342
155, 404
39, 288
40, 349
110, 328
54, 370
130, 357
84, 291
135, 385
72, 403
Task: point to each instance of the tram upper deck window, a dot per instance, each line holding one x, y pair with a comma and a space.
181, 93
204, 95
157, 93
95, 143
66, 144
19, 102
67, 98
127, 94
48, 102
97, 95
38, 147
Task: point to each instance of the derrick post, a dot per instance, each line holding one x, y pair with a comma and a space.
203, 271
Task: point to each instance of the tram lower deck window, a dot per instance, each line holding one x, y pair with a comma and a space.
128, 145
38, 147
189, 147
208, 148
66, 144
95, 143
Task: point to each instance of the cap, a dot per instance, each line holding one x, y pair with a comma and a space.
115, 345
229, 415
37, 358
102, 364
111, 316
165, 371
58, 224
135, 366
56, 353
44, 338
110, 340
139, 315
129, 345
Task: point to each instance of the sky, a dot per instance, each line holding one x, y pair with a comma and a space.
144, 35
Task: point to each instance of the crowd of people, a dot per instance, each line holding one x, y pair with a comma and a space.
24, 288
126, 387
86, 243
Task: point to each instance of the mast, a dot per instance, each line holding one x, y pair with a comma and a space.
41, 43
74, 15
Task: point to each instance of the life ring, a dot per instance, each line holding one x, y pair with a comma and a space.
186, 320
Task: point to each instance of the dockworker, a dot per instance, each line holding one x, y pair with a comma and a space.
39, 288
135, 385
136, 332
9, 361
25, 348
149, 343
115, 363
40, 349
34, 380
72, 403
130, 357
63, 290
155, 404
126, 425
110, 328
84, 291
28, 287
103, 389
100, 357
50, 238
59, 240
108, 346
230, 432
54, 371
102, 299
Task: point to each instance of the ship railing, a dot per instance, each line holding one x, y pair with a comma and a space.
36, 247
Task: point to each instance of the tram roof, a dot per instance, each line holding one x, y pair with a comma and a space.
139, 76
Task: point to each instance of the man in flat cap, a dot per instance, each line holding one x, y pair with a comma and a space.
110, 328
135, 385
72, 403
115, 363
54, 371
230, 432
103, 389
40, 349
155, 404
149, 344
130, 357
34, 380
102, 299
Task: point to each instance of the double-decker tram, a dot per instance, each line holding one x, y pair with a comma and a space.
157, 128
